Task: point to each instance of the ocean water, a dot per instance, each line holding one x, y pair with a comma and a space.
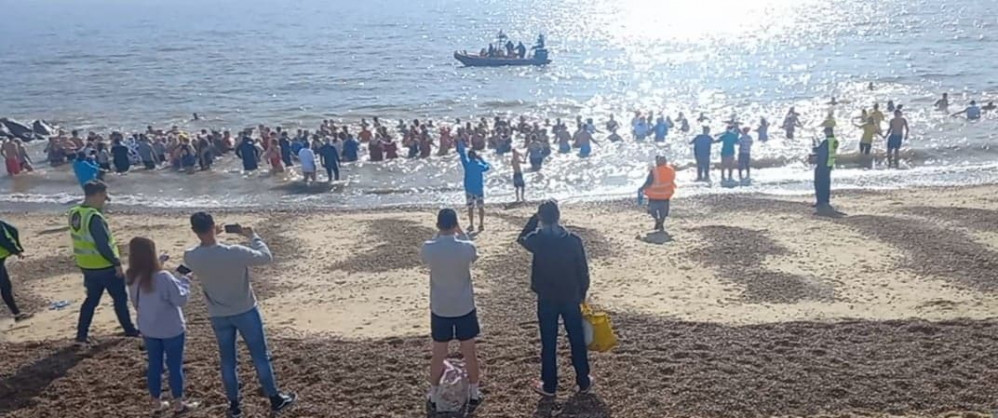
124, 64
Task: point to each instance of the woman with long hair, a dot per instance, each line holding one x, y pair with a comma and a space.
158, 297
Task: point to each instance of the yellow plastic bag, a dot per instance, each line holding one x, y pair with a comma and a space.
603, 339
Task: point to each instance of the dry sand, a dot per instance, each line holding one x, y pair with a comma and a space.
751, 305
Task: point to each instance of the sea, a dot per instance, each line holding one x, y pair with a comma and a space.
106, 65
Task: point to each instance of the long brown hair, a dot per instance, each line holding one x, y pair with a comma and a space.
142, 263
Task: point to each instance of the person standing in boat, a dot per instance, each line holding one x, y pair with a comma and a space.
521, 50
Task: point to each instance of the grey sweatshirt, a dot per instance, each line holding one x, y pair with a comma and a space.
159, 311
223, 271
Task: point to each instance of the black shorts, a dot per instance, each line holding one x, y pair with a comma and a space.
658, 208
461, 328
518, 180
743, 160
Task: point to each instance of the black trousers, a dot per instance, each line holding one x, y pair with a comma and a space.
7, 289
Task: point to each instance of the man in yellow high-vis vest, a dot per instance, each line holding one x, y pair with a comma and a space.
10, 244
97, 256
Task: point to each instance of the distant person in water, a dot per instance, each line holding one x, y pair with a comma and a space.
120, 158
890, 106
659, 187
11, 157
973, 111
285, 143
729, 142
474, 185
350, 148
701, 152
612, 125
870, 130
273, 156
86, 170
896, 134
745, 142
876, 115
249, 153
763, 130
661, 129
703, 118
536, 154
943, 103
584, 142
330, 158
684, 125
791, 122
519, 187
989, 107
564, 140
307, 159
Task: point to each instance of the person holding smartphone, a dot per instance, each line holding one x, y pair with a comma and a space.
159, 298
224, 273
449, 255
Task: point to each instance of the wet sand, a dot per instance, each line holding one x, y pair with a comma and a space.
750, 306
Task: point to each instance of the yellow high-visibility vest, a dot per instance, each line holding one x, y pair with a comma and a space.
84, 246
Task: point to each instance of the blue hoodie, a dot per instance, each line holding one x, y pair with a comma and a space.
85, 171
474, 172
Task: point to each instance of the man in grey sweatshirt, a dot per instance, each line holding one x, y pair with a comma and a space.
223, 271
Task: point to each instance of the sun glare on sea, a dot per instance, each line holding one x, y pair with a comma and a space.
702, 20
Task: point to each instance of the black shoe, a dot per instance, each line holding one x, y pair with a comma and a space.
283, 401
234, 411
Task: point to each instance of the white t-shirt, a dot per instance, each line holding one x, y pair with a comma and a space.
307, 158
745, 144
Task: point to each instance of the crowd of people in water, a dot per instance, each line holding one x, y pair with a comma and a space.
533, 142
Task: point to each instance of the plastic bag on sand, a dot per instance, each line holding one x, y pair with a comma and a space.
454, 390
603, 339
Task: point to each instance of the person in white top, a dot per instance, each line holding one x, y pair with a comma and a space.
307, 159
745, 154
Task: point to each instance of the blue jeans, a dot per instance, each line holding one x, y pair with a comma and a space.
250, 326
96, 281
547, 315
173, 348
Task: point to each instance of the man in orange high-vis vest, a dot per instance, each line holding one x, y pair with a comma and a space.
659, 188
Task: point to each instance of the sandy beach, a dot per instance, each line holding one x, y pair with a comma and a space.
750, 306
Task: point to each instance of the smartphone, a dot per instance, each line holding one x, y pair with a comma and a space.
182, 269
233, 229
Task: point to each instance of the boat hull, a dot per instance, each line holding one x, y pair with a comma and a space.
477, 61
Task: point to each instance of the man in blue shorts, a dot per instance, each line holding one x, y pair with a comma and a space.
474, 184
896, 134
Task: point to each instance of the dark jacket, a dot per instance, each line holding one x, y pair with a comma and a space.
12, 243
559, 271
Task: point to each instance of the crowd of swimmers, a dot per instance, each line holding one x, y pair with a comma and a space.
530, 142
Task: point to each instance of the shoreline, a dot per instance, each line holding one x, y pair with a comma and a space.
25, 208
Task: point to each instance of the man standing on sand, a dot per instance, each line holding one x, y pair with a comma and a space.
896, 134
559, 275
518, 185
449, 254
97, 256
223, 271
10, 244
474, 184
659, 188
825, 162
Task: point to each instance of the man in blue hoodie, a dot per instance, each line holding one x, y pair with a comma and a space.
474, 185
85, 169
